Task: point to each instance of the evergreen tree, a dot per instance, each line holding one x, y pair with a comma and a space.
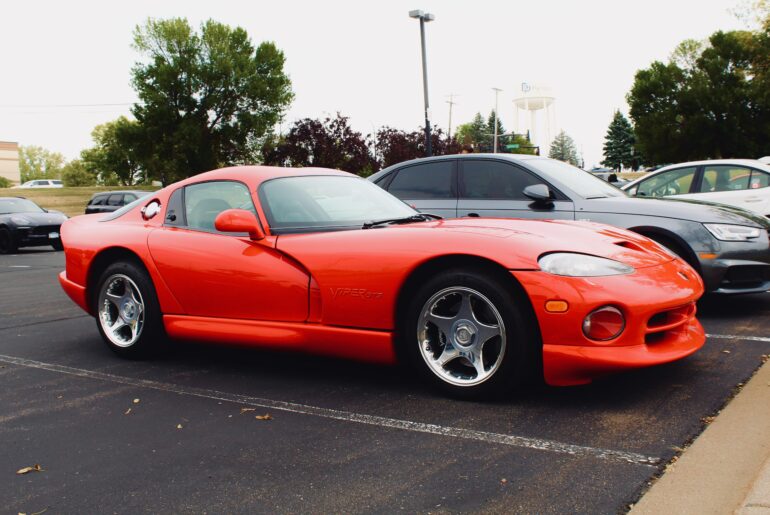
619, 143
490, 131
472, 133
563, 149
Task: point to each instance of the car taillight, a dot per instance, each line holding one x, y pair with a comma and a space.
604, 323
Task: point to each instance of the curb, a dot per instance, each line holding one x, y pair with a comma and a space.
718, 471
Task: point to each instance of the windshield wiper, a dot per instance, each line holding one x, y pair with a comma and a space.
421, 217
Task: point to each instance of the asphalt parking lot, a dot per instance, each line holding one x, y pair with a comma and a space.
343, 437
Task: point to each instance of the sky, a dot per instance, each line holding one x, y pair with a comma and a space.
65, 66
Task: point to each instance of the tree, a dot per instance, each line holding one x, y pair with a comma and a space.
710, 101
328, 143
116, 157
394, 146
472, 133
75, 173
5, 182
563, 149
619, 143
479, 134
205, 98
38, 163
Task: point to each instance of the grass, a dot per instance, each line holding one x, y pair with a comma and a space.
70, 201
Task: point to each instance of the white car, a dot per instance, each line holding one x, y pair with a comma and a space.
741, 183
42, 183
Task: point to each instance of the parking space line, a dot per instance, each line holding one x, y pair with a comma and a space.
48, 321
738, 337
347, 416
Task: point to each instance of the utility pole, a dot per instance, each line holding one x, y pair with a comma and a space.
424, 17
451, 103
494, 144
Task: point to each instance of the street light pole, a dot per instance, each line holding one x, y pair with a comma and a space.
424, 17
494, 145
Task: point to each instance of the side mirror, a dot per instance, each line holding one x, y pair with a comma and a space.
612, 178
538, 193
239, 220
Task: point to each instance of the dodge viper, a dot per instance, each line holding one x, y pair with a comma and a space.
323, 261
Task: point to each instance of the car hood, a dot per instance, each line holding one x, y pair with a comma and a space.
40, 218
515, 244
683, 209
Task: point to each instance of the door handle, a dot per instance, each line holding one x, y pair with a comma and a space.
473, 215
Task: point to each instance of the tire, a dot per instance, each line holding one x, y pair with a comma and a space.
493, 344
7, 245
127, 311
57, 245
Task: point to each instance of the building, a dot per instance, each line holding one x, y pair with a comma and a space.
9, 161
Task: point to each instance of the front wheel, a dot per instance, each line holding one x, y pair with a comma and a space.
7, 245
128, 312
469, 335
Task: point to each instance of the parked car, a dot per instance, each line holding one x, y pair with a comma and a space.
42, 183
607, 174
736, 182
109, 201
729, 247
25, 224
324, 261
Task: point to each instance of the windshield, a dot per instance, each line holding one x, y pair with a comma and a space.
18, 205
317, 202
579, 181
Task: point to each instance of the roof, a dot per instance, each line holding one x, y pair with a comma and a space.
515, 158
259, 174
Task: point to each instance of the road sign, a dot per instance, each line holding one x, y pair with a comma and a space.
512, 146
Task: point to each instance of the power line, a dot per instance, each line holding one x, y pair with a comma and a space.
46, 106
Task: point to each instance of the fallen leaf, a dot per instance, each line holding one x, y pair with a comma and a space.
266, 416
503, 481
246, 410
725, 352
26, 470
136, 401
179, 426
127, 411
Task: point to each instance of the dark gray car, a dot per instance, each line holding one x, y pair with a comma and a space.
729, 247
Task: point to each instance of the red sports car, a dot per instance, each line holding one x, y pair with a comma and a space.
323, 261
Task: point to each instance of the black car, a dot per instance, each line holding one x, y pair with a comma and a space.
729, 247
25, 224
109, 201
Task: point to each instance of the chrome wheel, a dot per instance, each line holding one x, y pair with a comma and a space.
461, 336
121, 310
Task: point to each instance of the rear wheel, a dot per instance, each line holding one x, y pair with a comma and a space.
57, 245
467, 334
128, 312
7, 245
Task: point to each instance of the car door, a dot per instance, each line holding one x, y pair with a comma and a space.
735, 185
214, 274
429, 186
494, 188
679, 181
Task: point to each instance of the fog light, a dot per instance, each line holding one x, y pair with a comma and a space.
604, 324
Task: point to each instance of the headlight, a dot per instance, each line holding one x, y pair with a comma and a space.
581, 265
726, 232
21, 220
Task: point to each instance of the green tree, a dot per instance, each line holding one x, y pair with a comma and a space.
116, 158
38, 163
75, 173
473, 132
5, 182
205, 97
710, 101
563, 149
619, 143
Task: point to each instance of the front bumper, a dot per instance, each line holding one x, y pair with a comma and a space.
737, 267
37, 236
659, 308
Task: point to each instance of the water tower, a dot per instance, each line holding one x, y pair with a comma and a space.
536, 108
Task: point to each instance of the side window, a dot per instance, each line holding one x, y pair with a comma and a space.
487, 179
672, 182
128, 198
98, 200
204, 201
759, 180
115, 200
175, 215
725, 178
425, 181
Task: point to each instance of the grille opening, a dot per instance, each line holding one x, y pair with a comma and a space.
658, 319
653, 338
746, 277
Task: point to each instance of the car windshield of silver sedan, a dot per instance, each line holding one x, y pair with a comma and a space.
581, 182
18, 205
318, 202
